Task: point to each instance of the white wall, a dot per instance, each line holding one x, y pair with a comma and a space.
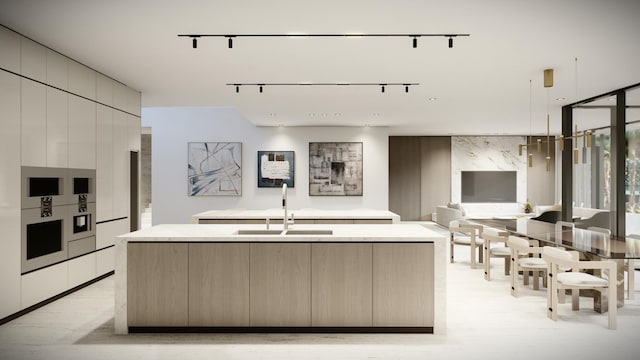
173, 128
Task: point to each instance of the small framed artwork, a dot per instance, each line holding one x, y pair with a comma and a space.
335, 168
276, 168
215, 168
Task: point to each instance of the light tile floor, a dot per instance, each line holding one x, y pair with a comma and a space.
484, 322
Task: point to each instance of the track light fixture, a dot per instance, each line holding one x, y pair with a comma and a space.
383, 86
195, 43
230, 37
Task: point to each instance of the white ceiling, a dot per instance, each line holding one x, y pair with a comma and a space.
481, 84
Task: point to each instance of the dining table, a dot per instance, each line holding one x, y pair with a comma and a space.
590, 244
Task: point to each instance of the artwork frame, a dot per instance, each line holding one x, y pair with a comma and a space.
271, 173
335, 168
214, 168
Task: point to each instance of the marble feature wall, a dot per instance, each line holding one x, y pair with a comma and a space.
491, 153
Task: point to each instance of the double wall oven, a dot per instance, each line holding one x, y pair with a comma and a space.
58, 215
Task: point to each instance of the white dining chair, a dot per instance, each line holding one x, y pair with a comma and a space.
492, 236
574, 280
525, 257
462, 232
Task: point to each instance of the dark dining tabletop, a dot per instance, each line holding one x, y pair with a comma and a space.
582, 240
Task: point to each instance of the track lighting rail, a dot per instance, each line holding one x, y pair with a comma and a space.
413, 36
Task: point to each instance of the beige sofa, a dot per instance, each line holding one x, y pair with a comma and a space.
445, 214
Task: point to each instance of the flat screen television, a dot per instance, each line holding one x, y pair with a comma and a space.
489, 186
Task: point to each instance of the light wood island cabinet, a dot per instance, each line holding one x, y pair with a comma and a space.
213, 279
280, 284
403, 284
341, 291
157, 284
219, 284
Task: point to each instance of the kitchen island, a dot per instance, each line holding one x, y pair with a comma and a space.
310, 278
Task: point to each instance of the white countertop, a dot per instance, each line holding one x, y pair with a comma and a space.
278, 213
228, 233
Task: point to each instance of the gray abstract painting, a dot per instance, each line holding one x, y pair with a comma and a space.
335, 169
215, 168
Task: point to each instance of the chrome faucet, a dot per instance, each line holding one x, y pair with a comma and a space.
285, 219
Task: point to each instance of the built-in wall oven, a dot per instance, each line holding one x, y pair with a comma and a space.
58, 215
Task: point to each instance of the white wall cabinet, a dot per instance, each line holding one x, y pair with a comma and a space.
33, 60
121, 187
10, 54
9, 197
57, 128
104, 90
43, 284
82, 80
81, 270
82, 133
49, 118
105, 261
33, 103
57, 72
104, 163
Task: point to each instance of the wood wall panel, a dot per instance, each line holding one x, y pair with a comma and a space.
435, 184
404, 177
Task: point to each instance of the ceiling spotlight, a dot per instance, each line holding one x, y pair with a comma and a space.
237, 88
382, 85
230, 42
415, 42
450, 42
195, 43
406, 88
260, 88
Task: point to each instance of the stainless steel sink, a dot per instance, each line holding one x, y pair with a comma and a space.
259, 232
309, 232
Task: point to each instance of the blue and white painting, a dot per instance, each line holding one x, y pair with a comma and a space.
276, 168
215, 168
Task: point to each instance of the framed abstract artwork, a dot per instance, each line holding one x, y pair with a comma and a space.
215, 168
335, 168
276, 168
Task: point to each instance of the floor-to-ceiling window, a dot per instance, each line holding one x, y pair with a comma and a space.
632, 162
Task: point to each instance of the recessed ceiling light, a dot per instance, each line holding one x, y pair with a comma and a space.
336, 114
312, 114
559, 99
376, 114
432, 99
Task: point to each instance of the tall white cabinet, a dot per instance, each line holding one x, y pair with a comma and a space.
56, 112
